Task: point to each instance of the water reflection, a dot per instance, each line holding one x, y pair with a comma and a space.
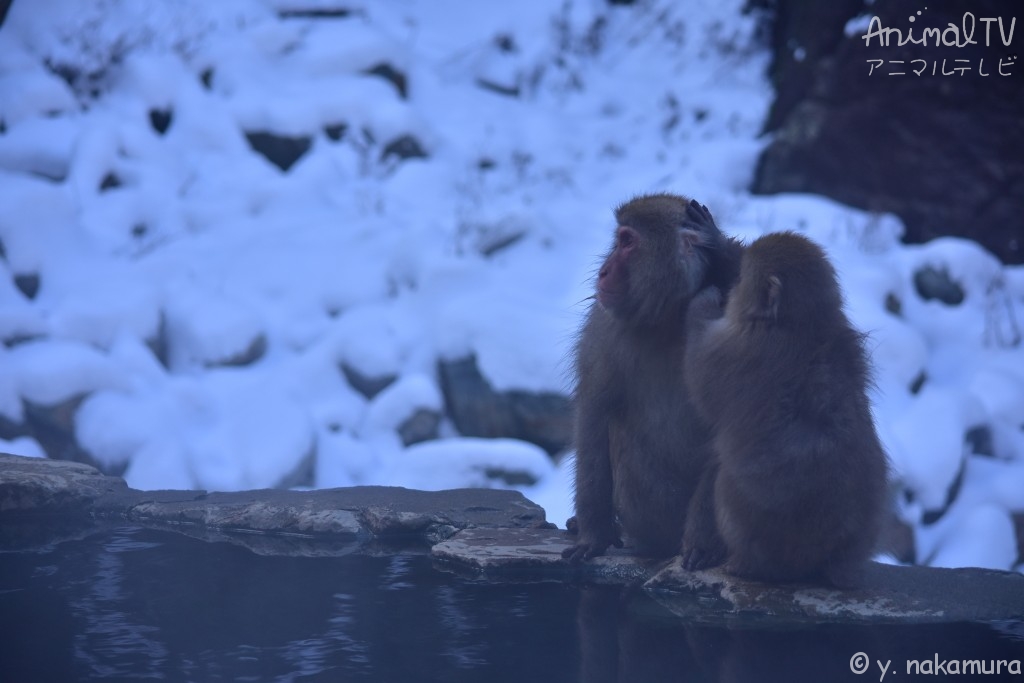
132, 604
138, 603
624, 638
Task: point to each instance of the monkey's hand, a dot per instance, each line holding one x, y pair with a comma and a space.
706, 305
698, 216
590, 547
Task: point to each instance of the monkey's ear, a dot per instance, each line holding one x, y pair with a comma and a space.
689, 240
774, 297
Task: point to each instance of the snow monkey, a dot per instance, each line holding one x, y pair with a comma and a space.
644, 462
782, 379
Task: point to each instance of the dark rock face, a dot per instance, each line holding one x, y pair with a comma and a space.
252, 353
316, 13
280, 150
477, 409
393, 76
27, 284
110, 181
335, 131
404, 147
814, 27
421, 426
1018, 525
940, 151
364, 384
53, 426
160, 119
980, 440
933, 283
931, 516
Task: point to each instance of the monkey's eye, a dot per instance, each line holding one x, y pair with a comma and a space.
626, 237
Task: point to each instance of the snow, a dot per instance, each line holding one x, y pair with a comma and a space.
48, 372
460, 462
551, 492
23, 445
929, 460
488, 246
981, 537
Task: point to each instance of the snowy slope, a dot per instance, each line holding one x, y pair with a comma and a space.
536, 118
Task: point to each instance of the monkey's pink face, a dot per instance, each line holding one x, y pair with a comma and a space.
649, 272
613, 278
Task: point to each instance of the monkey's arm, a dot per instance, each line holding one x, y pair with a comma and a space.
701, 545
726, 251
703, 357
595, 512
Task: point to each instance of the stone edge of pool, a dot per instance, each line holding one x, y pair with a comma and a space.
493, 534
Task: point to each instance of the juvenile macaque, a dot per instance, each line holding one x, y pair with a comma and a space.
643, 455
782, 379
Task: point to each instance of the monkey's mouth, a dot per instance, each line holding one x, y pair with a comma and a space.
609, 300
611, 294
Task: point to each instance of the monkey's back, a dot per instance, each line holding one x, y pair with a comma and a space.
803, 474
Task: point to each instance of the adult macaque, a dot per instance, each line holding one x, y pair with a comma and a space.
782, 379
643, 455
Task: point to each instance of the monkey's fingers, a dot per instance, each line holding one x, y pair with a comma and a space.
692, 559
698, 215
695, 558
574, 554
572, 526
583, 551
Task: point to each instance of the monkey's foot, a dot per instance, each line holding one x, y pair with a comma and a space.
702, 557
587, 551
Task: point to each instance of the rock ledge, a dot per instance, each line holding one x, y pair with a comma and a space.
493, 534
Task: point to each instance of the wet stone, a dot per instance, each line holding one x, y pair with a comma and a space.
889, 593
497, 553
497, 535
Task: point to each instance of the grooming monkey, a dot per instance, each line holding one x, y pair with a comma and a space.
782, 378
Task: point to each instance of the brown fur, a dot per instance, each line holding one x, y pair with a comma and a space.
642, 452
783, 378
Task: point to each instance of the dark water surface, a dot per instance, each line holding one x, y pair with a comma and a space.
134, 604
